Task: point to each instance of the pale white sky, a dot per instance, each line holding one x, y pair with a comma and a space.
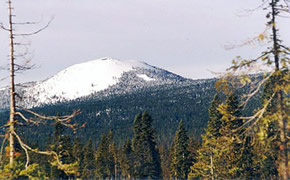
186, 37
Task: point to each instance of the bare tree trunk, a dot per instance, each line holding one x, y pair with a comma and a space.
12, 87
116, 168
211, 168
282, 120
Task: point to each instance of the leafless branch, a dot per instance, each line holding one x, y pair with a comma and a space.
256, 117
58, 118
25, 147
285, 10
36, 32
250, 11
2, 27
22, 67
4, 126
64, 120
255, 91
28, 22
284, 47
30, 120
2, 147
2, 79
25, 23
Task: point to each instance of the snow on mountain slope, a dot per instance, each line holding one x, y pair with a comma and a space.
145, 77
101, 77
86, 78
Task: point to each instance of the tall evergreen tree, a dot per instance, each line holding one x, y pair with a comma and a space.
147, 158
231, 113
78, 155
126, 160
89, 165
206, 163
62, 145
181, 161
165, 158
214, 123
222, 154
105, 158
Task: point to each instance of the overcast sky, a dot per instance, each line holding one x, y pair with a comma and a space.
186, 37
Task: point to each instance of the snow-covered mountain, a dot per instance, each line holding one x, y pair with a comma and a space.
101, 77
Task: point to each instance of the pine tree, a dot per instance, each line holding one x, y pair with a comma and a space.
205, 165
230, 111
221, 154
63, 147
165, 158
78, 155
214, 123
89, 164
147, 158
126, 160
181, 161
105, 158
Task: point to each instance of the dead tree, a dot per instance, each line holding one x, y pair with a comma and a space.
15, 111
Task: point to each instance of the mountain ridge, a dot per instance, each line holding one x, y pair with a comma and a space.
91, 77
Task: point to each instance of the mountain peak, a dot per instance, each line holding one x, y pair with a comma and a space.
104, 76
88, 77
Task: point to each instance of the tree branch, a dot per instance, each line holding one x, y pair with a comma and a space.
2, 27
2, 147
256, 117
36, 32
249, 96
25, 147
64, 120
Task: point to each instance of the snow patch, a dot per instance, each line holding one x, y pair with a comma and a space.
145, 77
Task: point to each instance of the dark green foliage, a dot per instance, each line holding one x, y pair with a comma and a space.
141, 159
78, 154
62, 145
105, 158
89, 162
234, 111
166, 159
181, 161
193, 147
126, 160
222, 153
146, 155
231, 121
167, 104
247, 158
214, 123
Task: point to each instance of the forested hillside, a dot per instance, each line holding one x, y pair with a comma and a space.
167, 104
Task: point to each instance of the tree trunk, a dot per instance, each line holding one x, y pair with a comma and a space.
211, 168
282, 120
12, 87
